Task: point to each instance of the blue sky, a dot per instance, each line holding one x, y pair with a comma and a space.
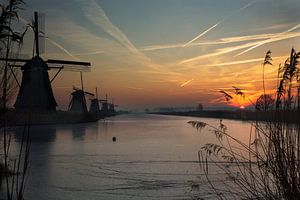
147, 53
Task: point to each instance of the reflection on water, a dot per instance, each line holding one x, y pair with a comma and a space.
38, 134
155, 157
78, 132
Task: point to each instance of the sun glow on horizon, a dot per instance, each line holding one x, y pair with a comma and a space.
181, 58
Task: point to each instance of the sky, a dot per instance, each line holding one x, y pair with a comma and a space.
164, 53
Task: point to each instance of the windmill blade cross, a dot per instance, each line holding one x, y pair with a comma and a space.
70, 65
89, 93
41, 31
67, 62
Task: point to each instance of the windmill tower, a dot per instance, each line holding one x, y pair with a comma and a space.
95, 107
78, 102
112, 107
35, 91
104, 107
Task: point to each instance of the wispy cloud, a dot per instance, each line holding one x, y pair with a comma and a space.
61, 48
269, 40
226, 40
201, 34
97, 15
217, 24
137, 88
226, 50
94, 12
89, 53
242, 61
248, 5
186, 83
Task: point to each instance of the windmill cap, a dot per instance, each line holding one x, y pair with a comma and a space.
36, 63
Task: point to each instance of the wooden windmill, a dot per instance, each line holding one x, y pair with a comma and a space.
105, 104
95, 107
112, 107
78, 102
35, 91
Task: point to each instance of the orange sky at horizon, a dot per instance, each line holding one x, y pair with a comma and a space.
182, 55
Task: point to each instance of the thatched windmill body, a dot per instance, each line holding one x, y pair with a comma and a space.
78, 101
111, 107
95, 106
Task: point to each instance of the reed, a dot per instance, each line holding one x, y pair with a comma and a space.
267, 166
13, 168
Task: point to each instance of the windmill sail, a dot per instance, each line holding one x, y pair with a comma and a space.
41, 31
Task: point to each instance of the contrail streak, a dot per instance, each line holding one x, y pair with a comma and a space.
89, 53
94, 12
269, 40
52, 41
214, 42
61, 48
248, 5
239, 47
202, 34
214, 26
186, 83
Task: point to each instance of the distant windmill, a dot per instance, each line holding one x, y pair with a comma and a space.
112, 107
35, 93
105, 104
78, 102
95, 107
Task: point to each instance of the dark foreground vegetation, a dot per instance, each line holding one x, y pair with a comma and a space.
13, 167
268, 165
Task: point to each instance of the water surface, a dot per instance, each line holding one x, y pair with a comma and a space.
154, 157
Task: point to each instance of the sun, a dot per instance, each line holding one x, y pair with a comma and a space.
242, 107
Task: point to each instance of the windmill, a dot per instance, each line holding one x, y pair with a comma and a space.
105, 104
112, 107
78, 102
35, 91
95, 107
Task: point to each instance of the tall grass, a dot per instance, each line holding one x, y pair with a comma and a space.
12, 168
267, 166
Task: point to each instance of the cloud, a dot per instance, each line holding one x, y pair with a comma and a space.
136, 88
202, 34
269, 40
97, 15
61, 48
186, 83
242, 61
89, 53
248, 5
217, 24
226, 40
239, 47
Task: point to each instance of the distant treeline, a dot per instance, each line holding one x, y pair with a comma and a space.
287, 116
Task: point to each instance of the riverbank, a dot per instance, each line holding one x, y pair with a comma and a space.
243, 115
